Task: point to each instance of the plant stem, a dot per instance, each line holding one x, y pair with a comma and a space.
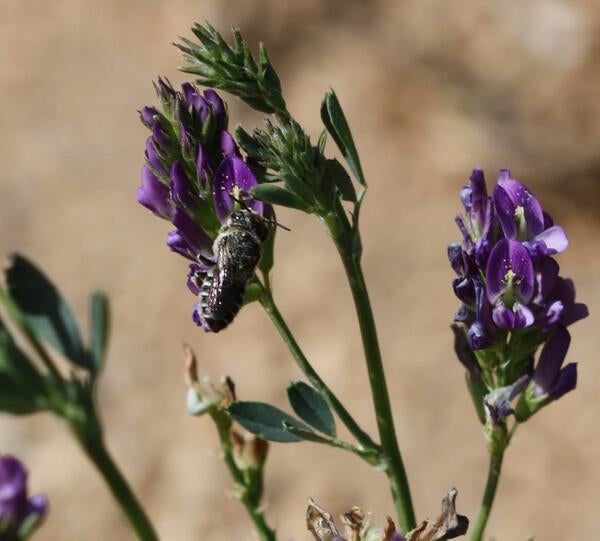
303, 363
99, 455
263, 530
489, 494
383, 411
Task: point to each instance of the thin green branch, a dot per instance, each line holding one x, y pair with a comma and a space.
272, 311
120, 489
489, 494
346, 241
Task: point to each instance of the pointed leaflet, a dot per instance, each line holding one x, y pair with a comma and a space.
310, 406
45, 309
336, 124
100, 328
276, 195
265, 421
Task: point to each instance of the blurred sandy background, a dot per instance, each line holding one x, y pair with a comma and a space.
431, 89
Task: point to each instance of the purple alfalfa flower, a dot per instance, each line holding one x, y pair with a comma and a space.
481, 331
510, 284
233, 181
476, 226
155, 195
549, 377
554, 300
16, 508
522, 218
189, 239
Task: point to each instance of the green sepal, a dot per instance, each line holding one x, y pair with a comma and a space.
310, 406
99, 328
529, 404
46, 311
29, 525
265, 421
335, 121
276, 195
246, 141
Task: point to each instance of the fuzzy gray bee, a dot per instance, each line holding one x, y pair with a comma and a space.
237, 250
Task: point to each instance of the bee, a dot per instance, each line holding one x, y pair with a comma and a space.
237, 251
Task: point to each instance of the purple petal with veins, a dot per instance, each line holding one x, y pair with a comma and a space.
509, 265
554, 238
233, 172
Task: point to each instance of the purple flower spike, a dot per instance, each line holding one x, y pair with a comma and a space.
519, 211
510, 273
231, 173
154, 195
15, 507
546, 374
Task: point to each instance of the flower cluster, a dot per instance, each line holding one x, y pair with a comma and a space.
194, 173
513, 299
19, 515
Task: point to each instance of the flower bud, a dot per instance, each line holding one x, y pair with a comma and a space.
16, 509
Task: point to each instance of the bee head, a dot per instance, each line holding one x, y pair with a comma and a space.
247, 219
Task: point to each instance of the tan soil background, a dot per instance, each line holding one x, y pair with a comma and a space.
431, 89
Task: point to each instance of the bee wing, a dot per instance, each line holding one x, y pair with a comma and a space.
224, 281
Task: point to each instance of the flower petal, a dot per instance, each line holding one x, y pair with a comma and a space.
509, 264
233, 172
198, 241
181, 187
551, 359
565, 382
554, 238
154, 195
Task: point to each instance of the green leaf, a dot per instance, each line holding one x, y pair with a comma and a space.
337, 173
265, 421
310, 406
276, 195
45, 309
336, 124
100, 328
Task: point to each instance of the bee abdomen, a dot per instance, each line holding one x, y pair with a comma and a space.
219, 305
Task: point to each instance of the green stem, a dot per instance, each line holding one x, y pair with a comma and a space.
489, 494
243, 492
383, 411
98, 454
286, 334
